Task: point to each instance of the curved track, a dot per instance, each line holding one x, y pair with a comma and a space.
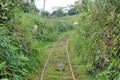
58, 65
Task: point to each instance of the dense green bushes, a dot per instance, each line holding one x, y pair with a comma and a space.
42, 28
100, 28
22, 36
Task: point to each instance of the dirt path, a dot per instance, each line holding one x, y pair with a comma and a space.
58, 65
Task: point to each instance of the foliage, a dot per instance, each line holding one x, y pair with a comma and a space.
81, 64
45, 14
73, 11
5, 11
22, 35
99, 24
63, 11
59, 12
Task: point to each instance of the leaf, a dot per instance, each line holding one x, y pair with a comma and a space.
4, 79
2, 64
119, 77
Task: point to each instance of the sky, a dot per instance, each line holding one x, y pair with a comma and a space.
50, 4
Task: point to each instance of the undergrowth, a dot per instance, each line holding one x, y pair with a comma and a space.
23, 37
99, 37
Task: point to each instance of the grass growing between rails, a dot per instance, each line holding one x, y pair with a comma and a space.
81, 59
39, 59
23, 44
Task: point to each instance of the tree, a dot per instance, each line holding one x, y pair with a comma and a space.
27, 6
45, 13
73, 11
58, 12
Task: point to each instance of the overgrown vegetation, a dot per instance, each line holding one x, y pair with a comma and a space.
23, 35
99, 37
95, 47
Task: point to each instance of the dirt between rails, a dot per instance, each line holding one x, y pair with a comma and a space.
58, 65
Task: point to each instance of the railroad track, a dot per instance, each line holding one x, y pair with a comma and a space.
58, 65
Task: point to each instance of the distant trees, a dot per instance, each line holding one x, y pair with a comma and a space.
72, 11
63, 11
58, 12
45, 14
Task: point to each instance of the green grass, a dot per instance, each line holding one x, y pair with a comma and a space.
24, 49
52, 72
81, 60
37, 61
69, 19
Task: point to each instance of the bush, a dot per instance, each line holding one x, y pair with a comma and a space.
99, 26
20, 42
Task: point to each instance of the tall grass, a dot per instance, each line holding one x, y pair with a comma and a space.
22, 43
99, 27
